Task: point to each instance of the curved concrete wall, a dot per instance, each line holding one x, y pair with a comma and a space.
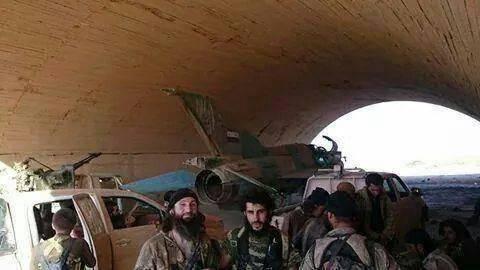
86, 76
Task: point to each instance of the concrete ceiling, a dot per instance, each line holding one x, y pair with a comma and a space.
82, 76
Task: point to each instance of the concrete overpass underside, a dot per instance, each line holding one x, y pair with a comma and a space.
84, 76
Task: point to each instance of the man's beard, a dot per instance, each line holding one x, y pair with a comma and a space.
375, 194
191, 228
260, 232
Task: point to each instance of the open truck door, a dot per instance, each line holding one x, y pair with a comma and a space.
127, 240
404, 205
94, 230
127, 244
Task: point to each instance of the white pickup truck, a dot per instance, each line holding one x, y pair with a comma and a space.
25, 219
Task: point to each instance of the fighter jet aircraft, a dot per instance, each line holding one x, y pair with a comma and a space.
238, 161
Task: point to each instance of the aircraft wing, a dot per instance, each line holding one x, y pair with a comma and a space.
165, 182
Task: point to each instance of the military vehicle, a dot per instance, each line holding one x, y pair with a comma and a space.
26, 212
28, 178
26, 220
238, 161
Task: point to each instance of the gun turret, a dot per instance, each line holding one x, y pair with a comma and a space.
28, 179
330, 158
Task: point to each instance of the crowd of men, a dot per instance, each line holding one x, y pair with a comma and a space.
347, 229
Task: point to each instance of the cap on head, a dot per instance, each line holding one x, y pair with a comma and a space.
180, 194
375, 179
341, 205
346, 187
319, 196
64, 220
308, 206
168, 195
257, 196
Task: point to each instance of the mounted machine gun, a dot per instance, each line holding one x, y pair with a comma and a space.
29, 179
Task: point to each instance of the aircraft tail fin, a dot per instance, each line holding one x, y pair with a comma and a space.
208, 122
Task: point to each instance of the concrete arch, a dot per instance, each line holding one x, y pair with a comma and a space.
80, 77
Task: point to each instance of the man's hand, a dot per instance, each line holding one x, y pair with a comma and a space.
129, 221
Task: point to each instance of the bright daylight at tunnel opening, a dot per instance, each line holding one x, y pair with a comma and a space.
430, 146
176, 134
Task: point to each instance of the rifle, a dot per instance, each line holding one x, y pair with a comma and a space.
193, 259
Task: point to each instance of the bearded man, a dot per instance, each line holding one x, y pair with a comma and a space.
258, 245
376, 210
182, 243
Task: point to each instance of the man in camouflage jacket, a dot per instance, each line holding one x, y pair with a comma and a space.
182, 242
312, 207
62, 250
343, 248
258, 245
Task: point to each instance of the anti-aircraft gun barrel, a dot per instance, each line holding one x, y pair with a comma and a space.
28, 179
86, 160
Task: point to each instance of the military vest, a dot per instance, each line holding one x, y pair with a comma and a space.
360, 257
207, 255
54, 256
275, 256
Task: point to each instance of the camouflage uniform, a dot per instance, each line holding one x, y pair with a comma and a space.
438, 260
365, 206
285, 257
314, 228
409, 260
294, 222
52, 249
362, 249
171, 251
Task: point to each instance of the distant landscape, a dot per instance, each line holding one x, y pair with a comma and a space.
448, 191
448, 196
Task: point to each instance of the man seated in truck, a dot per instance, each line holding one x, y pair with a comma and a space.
116, 216
376, 210
62, 251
